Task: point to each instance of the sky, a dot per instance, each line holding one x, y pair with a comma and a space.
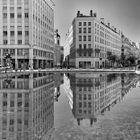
123, 14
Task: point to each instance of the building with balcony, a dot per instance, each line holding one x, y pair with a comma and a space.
58, 51
129, 49
27, 32
90, 41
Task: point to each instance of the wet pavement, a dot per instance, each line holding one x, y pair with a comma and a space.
118, 120
70, 106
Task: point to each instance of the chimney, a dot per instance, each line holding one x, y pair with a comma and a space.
91, 13
108, 24
102, 20
95, 14
113, 27
78, 13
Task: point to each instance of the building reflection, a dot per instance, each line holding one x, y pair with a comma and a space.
92, 94
129, 81
58, 80
27, 107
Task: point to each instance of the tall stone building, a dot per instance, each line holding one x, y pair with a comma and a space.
58, 50
91, 41
27, 32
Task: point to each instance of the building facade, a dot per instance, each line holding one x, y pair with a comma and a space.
129, 49
91, 41
58, 50
27, 32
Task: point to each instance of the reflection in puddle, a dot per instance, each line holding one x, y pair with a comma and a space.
96, 102
27, 107
87, 106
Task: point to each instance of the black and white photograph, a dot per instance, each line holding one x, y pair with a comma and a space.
69, 69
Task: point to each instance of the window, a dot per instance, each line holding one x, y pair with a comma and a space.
19, 8
80, 38
89, 104
85, 96
80, 46
85, 104
80, 97
89, 38
85, 23
4, 8
11, 121
19, 121
19, 52
85, 30
25, 122
89, 23
19, 95
11, 15
80, 23
89, 45
12, 33
80, 30
85, 112
26, 104
19, 41
85, 38
12, 9
4, 15
89, 96
4, 103
19, 104
26, 15
89, 30
4, 33
80, 104
5, 42
12, 51
19, 15
26, 33
26, 41
85, 46
95, 24
19, 32
80, 111
4, 95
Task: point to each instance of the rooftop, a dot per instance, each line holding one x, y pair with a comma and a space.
80, 15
